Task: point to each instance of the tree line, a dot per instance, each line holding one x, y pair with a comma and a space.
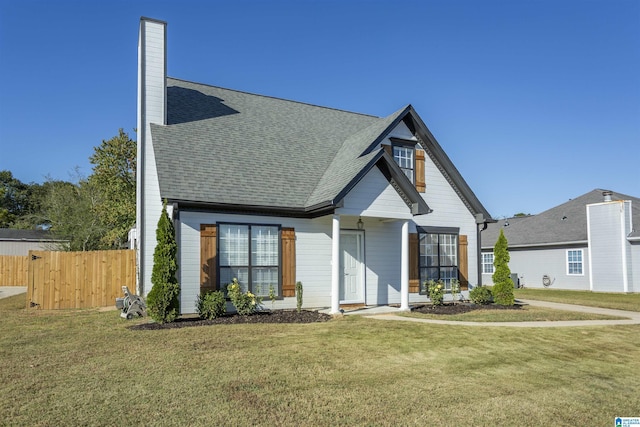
90, 213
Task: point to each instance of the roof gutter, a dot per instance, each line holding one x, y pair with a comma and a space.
545, 245
315, 211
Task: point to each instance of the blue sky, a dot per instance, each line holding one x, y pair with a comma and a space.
536, 102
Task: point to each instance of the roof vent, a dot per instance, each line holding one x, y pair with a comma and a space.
607, 196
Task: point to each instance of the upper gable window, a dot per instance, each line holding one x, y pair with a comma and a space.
404, 155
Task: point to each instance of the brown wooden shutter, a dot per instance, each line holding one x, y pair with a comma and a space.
421, 185
463, 262
288, 236
388, 149
414, 269
208, 254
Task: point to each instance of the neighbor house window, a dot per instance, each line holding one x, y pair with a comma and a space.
487, 263
404, 156
574, 262
438, 258
250, 253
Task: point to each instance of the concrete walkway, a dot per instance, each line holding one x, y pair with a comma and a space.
631, 317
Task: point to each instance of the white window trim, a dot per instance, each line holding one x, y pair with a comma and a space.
410, 149
486, 263
581, 262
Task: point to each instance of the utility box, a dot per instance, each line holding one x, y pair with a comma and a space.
516, 281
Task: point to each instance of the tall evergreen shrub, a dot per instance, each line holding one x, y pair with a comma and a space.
502, 283
162, 302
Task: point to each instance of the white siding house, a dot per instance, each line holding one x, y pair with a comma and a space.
360, 209
589, 243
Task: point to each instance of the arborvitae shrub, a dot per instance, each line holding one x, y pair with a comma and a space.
163, 304
502, 283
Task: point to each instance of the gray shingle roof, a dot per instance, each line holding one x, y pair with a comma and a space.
564, 223
235, 149
30, 235
228, 147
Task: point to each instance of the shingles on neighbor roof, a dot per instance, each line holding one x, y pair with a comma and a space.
30, 235
227, 147
564, 223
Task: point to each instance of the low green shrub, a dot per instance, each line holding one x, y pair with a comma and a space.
211, 305
436, 291
481, 295
245, 302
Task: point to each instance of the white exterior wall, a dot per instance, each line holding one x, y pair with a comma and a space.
313, 257
608, 225
532, 264
151, 109
22, 247
374, 197
449, 211
448, 208
634, 284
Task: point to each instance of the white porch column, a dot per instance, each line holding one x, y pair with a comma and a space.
335, 265
404, 268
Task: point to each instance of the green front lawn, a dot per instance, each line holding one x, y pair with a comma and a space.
617, 301
86, 368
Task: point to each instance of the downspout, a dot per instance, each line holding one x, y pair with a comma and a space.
481, 225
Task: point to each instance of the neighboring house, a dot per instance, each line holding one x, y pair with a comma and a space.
588, 243
360, 209
20, 242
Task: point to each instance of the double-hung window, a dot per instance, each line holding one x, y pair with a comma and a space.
250, 253
487, 263
404, 155
438, 258
574, 262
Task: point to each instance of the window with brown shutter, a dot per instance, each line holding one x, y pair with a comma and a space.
411, 159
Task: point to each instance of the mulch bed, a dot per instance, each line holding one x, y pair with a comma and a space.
276, 316
460, 308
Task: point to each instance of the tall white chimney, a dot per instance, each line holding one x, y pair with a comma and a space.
152, 108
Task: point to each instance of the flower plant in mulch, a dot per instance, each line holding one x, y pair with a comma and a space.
459, 308
275, 316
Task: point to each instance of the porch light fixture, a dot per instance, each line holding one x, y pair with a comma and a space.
360, 224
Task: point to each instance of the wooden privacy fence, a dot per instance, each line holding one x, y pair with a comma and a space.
13, 270
79, 279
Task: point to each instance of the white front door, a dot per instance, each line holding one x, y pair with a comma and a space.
351, 266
